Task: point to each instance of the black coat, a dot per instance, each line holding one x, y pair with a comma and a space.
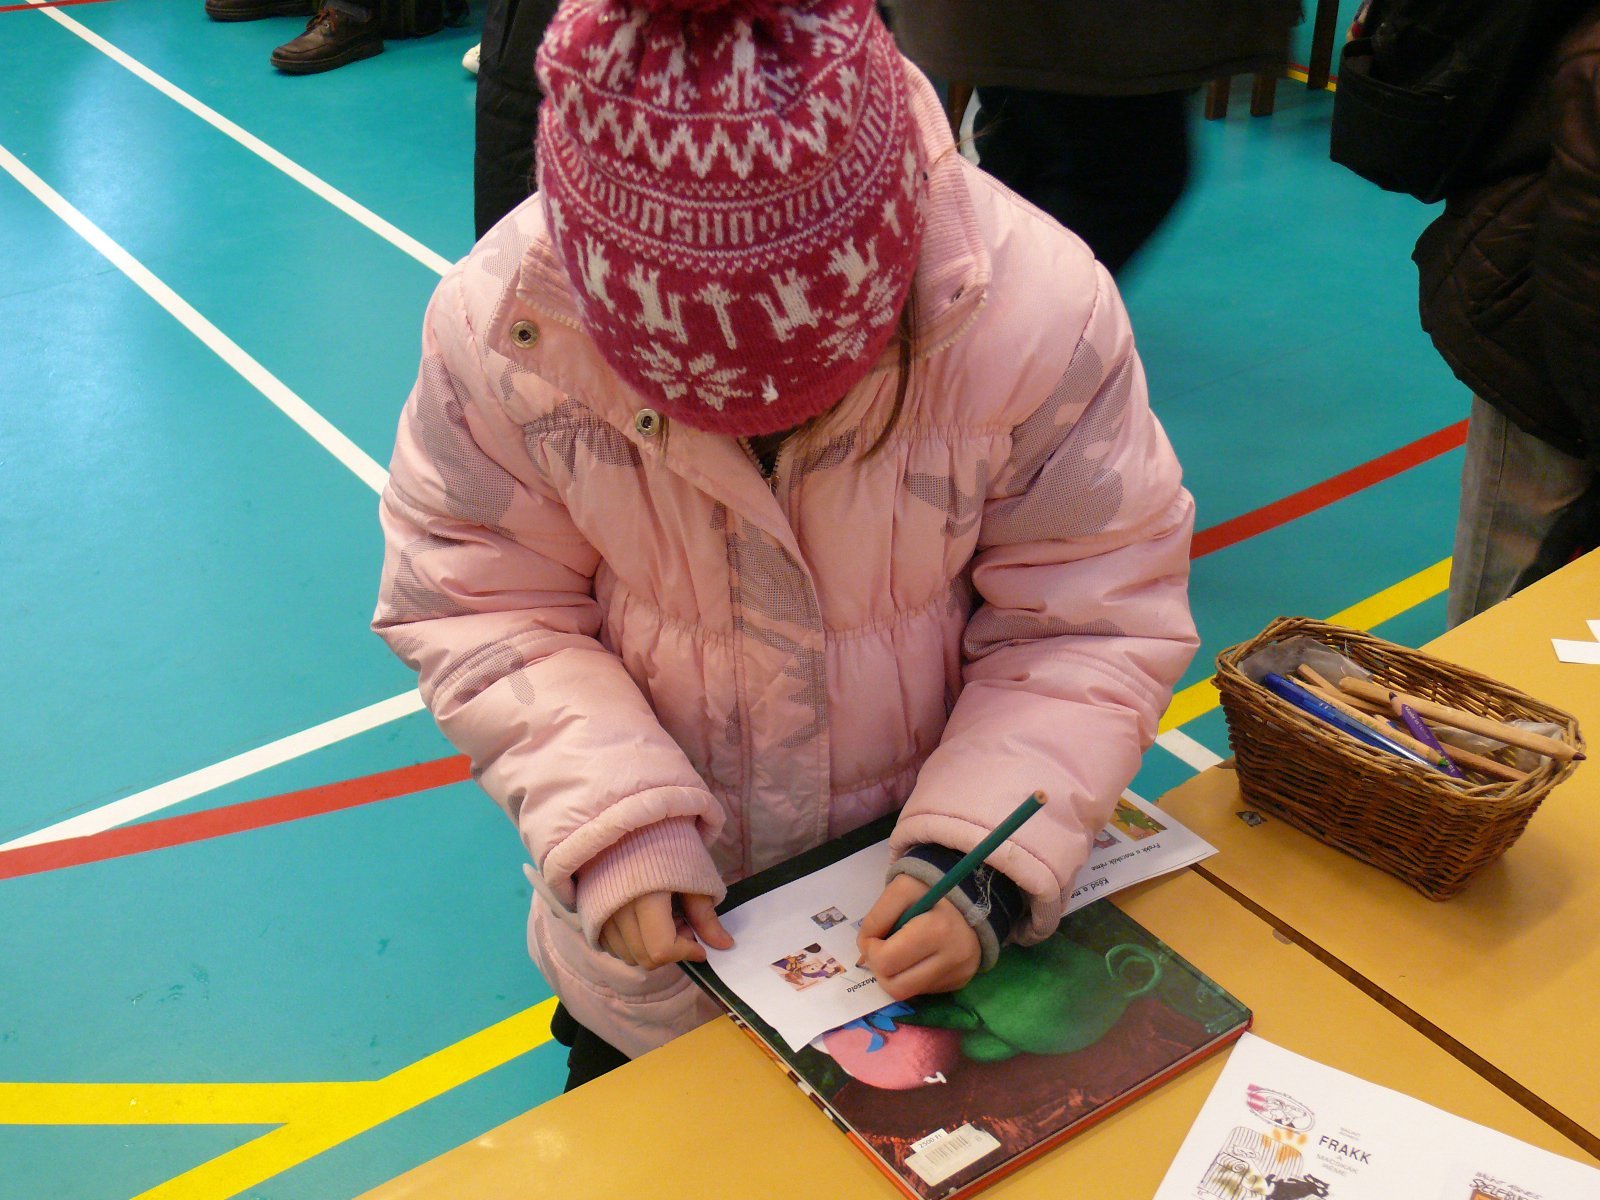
1093, 47
1510, 272
508, 107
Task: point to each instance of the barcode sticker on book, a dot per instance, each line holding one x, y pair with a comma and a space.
955, 1151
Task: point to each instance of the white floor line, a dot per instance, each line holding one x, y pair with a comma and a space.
230, 770
322, 431
1181, 745
351, 208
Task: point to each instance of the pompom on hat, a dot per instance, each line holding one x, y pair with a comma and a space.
735, 189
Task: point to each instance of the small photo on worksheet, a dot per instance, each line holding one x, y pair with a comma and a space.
807, 967
829, 917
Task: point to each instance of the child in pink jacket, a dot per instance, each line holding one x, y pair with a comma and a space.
769, 471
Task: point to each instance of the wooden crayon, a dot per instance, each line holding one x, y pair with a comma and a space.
1458, 719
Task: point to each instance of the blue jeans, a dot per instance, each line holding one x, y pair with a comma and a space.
1527, 509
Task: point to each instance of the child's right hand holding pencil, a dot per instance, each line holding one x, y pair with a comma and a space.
916, 939
934, 952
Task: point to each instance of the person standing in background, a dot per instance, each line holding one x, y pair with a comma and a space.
1084, 108
1510, 294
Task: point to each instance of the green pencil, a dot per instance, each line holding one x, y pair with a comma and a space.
970, 863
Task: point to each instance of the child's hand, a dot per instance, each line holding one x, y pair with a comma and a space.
936, 952
646, 933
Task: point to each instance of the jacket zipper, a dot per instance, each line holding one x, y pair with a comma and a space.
755, 461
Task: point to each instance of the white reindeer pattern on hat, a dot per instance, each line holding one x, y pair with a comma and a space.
747, 173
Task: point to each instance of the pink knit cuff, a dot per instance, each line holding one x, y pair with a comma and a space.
667, 856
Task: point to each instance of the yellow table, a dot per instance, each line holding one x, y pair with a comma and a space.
1506, 973
709, 1116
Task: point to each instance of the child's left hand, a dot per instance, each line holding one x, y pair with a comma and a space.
936, 952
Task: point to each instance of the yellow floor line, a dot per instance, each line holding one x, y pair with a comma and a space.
345, 1110
312, 1117
1296, 73
1200, 698
156, 1103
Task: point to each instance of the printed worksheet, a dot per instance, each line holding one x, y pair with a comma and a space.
794, 953
1278, 1126
1139, 842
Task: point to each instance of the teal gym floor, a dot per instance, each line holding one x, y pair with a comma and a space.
258, 934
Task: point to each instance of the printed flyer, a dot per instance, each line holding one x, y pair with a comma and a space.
1139, 842
1278, 1126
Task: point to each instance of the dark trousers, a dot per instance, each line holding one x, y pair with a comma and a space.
588, 1055
1109, 168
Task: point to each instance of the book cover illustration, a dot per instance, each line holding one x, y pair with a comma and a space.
948, 1089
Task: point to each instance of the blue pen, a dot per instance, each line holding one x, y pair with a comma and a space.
1315, 705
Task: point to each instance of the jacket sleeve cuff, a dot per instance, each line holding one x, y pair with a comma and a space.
667, 856
988, 900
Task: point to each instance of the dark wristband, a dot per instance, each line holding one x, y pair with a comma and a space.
991, 896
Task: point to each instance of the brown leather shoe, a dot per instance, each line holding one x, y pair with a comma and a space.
254, 10
332, 38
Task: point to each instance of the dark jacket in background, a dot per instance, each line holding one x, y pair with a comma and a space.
1105, 48
508, 107
1510, 272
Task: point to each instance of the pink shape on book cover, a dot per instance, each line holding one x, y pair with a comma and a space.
907, 1056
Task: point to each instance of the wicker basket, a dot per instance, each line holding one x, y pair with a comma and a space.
1406, 819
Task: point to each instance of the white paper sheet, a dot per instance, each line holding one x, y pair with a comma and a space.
1140, 842
1570, 651
1576, 652
809, 926
1280, 1126
794, 953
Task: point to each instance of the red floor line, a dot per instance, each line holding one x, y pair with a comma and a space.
232, 818
274, 810
1320, 495
48, 4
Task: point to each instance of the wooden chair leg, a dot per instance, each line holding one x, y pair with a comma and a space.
1217, 98
1321, 64
960, 96
1263, 93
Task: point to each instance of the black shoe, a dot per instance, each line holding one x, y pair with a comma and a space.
254, 10
332, 38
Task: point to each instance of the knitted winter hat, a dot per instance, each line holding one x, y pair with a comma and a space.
734, 187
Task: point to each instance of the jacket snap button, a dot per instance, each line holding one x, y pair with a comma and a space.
525, 333
647, 422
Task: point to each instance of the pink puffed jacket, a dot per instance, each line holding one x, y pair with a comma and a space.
671, 674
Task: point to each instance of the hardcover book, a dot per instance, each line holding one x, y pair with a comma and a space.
948, 1093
